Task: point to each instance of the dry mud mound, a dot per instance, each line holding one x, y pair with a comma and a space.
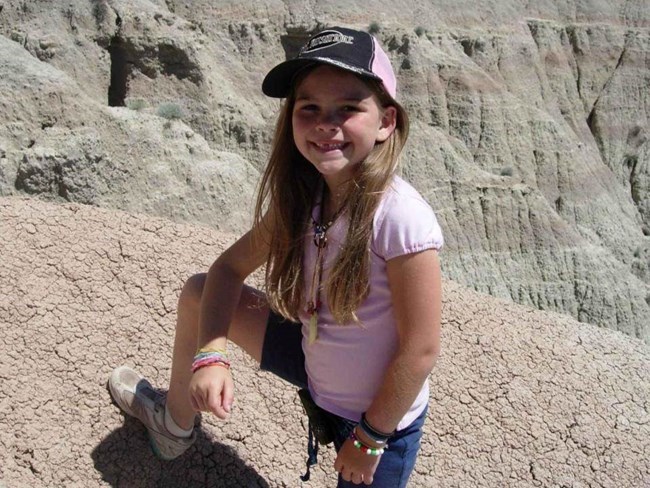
519, 397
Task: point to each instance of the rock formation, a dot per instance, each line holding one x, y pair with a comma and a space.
519, 397
529, 126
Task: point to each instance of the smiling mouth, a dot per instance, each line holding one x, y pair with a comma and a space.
330, 146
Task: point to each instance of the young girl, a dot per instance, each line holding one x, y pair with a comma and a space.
352, 304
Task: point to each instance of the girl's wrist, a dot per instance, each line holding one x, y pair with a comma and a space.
210, 357
362, 437
371, 432
370, 448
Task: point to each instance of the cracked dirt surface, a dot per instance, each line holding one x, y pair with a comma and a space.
519, 397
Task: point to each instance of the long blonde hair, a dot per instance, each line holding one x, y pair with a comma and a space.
287, 191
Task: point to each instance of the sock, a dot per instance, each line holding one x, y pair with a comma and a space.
173, 427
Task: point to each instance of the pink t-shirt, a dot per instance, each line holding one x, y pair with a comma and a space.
346, 364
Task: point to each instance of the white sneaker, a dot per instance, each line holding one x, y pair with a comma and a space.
136, 397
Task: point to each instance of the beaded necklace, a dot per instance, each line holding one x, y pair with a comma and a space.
320, 241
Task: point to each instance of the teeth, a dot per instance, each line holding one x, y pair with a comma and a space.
331, 147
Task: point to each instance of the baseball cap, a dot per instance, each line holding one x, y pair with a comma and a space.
348, 49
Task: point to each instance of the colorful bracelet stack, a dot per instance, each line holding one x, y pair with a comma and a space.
370, 451
210, 357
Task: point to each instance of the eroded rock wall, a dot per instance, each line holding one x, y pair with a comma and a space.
529, 126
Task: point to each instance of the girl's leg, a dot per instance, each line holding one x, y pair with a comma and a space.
247, 330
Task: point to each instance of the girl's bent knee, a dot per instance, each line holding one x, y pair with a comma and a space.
192, 290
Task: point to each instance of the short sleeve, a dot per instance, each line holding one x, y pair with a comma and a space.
404, 223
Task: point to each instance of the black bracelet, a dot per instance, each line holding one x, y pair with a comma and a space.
374, 434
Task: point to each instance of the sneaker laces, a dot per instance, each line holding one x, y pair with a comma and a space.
155, 396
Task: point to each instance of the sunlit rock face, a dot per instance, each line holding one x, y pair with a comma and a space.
529, 132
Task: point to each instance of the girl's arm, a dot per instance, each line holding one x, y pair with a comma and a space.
416, 295
211, 389
224, 283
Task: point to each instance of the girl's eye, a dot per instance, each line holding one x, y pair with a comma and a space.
350, 108
309, 108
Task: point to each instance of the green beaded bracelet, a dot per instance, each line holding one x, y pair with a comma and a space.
370, 451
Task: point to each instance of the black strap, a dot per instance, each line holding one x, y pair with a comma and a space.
312, 454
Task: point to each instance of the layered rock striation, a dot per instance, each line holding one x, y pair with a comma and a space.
529, 126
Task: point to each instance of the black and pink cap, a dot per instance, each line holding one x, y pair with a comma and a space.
348, 49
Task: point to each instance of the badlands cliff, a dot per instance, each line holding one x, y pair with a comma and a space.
520, 398
530, 125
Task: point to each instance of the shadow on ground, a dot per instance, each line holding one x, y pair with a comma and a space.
125, 460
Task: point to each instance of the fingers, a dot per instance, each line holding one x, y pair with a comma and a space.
195, 405
228, 395
357, 478
214, 403
354, 466
212, 390
196, 399
338, 465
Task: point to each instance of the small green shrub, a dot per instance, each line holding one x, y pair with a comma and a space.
419, 30
507, 171
136, 104
374, 27
169, 111
167, 124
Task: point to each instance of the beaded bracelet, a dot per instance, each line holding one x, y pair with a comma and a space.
210, 357
370, 451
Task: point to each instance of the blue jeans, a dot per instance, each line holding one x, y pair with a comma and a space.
282, 355
397, 462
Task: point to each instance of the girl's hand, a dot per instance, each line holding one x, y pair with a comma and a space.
211, 390
355, 465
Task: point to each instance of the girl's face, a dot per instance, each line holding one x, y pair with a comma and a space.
336, 122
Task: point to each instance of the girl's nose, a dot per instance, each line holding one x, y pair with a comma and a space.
328, 121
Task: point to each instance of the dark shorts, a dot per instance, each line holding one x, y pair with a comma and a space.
282, 355
282, 350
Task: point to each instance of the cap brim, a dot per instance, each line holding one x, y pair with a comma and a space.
278, 81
